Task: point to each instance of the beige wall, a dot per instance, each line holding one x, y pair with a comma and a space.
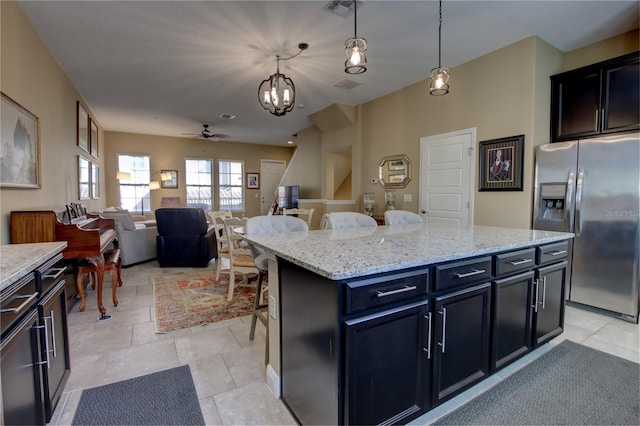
503, 93
305, 166
31, 77
168, 153
606, 49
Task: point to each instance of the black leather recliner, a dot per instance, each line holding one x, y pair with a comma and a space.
184, 237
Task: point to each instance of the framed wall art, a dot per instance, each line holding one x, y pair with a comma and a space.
169, 178
82, 135
501, 163
253, 180
93, 138
20, 146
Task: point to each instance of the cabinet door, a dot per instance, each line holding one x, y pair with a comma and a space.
388, 365
54, 346
461, 354
549, 303
575, 108
21, 380
621, 99
511, 337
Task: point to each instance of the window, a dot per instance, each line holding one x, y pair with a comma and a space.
231, 185
134, 193
198, 182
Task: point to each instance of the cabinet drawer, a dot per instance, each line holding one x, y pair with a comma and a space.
515, 261
374, 292
464, 272
553, 252
50, 273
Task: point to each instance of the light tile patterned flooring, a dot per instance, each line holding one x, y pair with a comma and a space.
228, 369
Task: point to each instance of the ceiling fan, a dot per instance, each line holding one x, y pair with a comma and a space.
208, 134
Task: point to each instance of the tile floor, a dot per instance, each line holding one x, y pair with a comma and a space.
228, 369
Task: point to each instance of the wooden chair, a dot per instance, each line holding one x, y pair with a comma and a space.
240, 260
307, 213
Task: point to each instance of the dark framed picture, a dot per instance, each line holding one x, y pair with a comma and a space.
93, 138
253, 180
82, 135
20, 146
501, 163
169, 178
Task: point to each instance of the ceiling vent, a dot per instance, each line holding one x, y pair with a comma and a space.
347, 84
341, 7
227, 116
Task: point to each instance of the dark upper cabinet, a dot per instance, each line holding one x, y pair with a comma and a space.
597, 99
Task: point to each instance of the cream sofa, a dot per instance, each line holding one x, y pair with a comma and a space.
137, 239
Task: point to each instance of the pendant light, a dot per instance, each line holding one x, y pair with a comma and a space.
277, 94
439, 76
355, 47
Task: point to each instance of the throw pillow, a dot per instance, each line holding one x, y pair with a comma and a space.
122, 217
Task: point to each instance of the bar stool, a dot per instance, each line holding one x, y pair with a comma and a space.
96, 268
267, 225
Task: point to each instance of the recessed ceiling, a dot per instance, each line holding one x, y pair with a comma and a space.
167, 67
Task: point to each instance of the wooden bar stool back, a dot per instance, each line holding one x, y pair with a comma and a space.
112, 265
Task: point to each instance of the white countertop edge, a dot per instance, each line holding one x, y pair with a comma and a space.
349, 269
17, 260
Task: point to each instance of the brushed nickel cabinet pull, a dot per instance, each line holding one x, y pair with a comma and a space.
520, 262
472, 273
443, 312
24, 304
396, 291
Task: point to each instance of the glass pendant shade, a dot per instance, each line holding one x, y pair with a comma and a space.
356, 62
439, 81
277, 94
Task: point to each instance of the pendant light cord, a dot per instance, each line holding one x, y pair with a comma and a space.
440, 38
355, 19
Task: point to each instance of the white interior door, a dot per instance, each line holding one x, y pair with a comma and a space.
271, 172
447, 177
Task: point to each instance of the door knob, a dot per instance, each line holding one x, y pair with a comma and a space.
424, 211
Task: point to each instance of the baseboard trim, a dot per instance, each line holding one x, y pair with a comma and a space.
273, 382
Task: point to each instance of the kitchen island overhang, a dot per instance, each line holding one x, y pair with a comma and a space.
356, 252
336, 292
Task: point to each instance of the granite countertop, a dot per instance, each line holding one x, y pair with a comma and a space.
346, 253
16, 260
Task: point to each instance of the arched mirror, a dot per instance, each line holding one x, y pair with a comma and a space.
394, 171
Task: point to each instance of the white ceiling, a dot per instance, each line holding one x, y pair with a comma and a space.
167, 67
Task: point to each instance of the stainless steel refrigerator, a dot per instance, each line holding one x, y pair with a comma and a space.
592, 187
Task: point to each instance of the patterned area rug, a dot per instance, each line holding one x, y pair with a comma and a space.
186, 300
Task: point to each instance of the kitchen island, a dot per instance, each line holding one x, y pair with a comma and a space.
34, 347
381, 324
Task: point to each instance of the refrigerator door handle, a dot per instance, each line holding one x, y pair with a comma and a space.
579, 184
568, 200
